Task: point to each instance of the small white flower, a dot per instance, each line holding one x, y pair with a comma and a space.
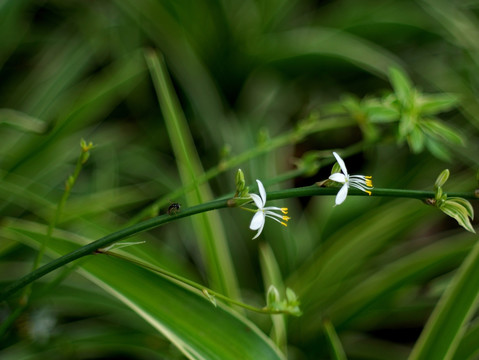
257, 223
361, 182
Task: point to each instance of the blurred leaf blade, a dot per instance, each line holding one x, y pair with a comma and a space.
163, 303
446, 325
21, 121
208, 226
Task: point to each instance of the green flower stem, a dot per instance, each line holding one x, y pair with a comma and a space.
25, 298
337, 349
61, 205
397, 193
193, 284
308, 127
212, 205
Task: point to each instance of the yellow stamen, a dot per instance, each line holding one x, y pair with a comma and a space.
369, 192
286, 218
284, 210
369, 181
282, 223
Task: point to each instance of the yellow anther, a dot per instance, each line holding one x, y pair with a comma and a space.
369, 192
284, 210
286, 218
282, 223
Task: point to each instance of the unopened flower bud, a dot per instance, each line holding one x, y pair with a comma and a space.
441, 179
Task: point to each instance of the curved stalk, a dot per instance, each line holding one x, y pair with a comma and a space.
312, 190
170, 275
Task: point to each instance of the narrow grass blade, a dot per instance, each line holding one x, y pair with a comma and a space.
446, 326
272, 276
208, 226
333, 338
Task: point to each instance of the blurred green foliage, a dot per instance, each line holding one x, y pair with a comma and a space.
273, 87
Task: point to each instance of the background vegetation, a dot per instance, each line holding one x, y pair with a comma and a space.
273, 87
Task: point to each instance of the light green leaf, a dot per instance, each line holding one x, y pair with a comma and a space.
406, 124
415, 140
437, 129
208, 226
402, 86
446, 326
22, 121
182, 315
436, 103
334, 341
465, 203
437, 149
382, 114
459, 213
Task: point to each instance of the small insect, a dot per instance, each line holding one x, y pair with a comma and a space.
173, 208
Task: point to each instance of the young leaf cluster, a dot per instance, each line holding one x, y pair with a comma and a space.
456, 207
288, 305
414, 114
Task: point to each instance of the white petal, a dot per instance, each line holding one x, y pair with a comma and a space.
338, 177
259, 232
341, 163
262, 191
342, 193
257, 221
257, 201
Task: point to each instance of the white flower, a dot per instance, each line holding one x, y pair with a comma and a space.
361, 182
257, 223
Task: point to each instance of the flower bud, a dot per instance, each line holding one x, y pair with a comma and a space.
273, 296
336, 168
441, 179
240, 183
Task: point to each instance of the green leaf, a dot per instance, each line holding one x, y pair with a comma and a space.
415, 140
334, 341
382, 114
402, 86
436, 103
22, 121
407, 123
437, 149
445, 327
465, 203
182, 315
439, 130
291, 296
209, 228
459, 213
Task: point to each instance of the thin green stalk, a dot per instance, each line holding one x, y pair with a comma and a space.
209, 206
26, 296
85, 148
271, 274
333, 338
202, 288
